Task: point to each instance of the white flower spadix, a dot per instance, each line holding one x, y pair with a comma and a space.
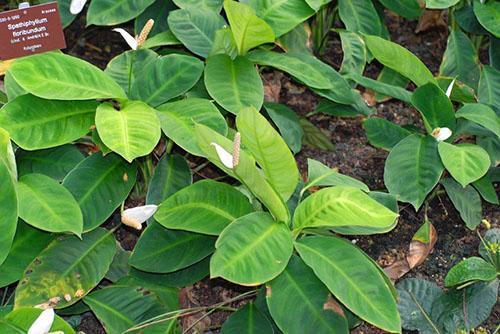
43, 323
134, 217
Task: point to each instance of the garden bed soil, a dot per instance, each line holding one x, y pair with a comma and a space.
352, 156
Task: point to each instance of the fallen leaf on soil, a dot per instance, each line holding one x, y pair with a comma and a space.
369, 97
272, 86
431, 19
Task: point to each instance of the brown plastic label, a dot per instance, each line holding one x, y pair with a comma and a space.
31, 30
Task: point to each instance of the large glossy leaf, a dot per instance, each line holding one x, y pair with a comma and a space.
61, 77
214, 5
171, 174
132, 131
339, 208
282, 15
465, 162
20, 321
435, 107
488, 14
409, 9
252, 250
360, 16
196, 28
460, 59
399, 59
352, 278
120, 307
320, 175
440, 4
68, 267
35, 123
160, 250
12, 88
47, 205
354, 53
297, 285
384, 134
416, 297
288, 123
489, 87
28, 243
204, 207
247, 320
166, 78
130, 65
99, 185
178, 119
54, 162
248, 29
466, 201
482, 115
113, 12
486, 188
8, 195
382, 87
246, 171
412, 169
269, 150
306, 68
234, 84
470, 269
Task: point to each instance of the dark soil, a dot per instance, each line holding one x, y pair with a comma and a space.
352, 156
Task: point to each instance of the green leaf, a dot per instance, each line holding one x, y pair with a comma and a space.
247, 320
440, 4
52, 76
168, 296
99, 185
120, 307
465, 308
470, 269
119, 268
47, 205
435, 107
224, 44
288, 124
465, 162
317, 4
489, 87
248, 29
165, 38
399, 59
412, 169
113, 12
467, 20
482, 115
460, 59
129, 66
297, 285
133, 131
54, 162
382, 87
466, 201
488, 14
320, 175
214, 5
488, 248
20, 320
416, 297
28, 243
178, 119
162, 251
246, 171
269, 150
360, 16
485, 187
158, 12
35, 123
166, 78
338, 208
394, 80
8, 195
172, 173
205, 207
196, 28
12, 88
252, 250
296, 40
314, 137
234, 84
354, 53
409, 9
353, 279
282, 15
384, 134
68, 266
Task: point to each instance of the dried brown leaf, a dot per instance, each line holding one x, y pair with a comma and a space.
431, 19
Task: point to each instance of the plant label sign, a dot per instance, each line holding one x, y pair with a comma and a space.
30, 30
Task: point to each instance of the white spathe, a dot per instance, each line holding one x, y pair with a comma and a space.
450, 88
43, 323
131, 41
134, 217
441, 134
224, 156
77, 6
